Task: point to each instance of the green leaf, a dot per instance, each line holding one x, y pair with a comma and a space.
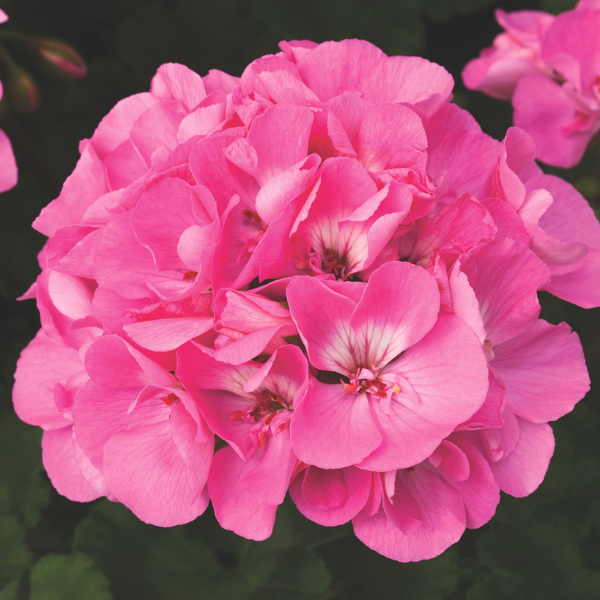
147, 562
284, 565
294, 574
15, 557
498, 585
119, 543
359, 572
10, 591
71, 577
23, 490
541, 553
180, 569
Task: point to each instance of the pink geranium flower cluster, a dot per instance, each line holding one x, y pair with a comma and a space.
319, 278
549, 66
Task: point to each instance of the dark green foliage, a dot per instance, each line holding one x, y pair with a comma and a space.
544, 546
200, 560
15, 557
71, 577
23, 489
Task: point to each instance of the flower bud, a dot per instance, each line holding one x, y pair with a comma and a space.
57, 59
22, 90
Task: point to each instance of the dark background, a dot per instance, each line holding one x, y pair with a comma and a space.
544, 546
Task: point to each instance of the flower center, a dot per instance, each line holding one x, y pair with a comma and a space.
255, 217
376, 387
333, 263
267, 406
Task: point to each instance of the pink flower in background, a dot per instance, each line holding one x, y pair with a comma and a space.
548, 66
514, 54
330, 268
8, 165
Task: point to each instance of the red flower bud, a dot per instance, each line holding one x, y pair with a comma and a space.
58, 59
22, 90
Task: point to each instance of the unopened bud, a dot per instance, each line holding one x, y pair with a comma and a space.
22, 90
57, 59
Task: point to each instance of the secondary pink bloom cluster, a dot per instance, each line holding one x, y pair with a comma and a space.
8, 165
549, 67
319, 278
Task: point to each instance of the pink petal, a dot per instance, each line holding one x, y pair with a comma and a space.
460, 226
507, 293
331, 497
349, 109
194, 442
85, 185
285, 88
284, 187
490, 412
247, 347
223, 178
157, 128
569, 217
267, 482
115, 127
464, 302
410, 79
98, 414
432, 375
206, 118
479, 491
391, 136
543, 370
217, 388
332, 429
218, 80
581, 285
8, 168
402, 509
524, 469
549, 115
123, 165
158, 224
280, 138
234, 508
121, 263
41, 366
58, 455
361, 67
323, 320
507, 221
443, 515
145, 472
451, 461
110, 361
71, 250
353, 60
177, 81
168, 334
398, 307
463, 161
549, 249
